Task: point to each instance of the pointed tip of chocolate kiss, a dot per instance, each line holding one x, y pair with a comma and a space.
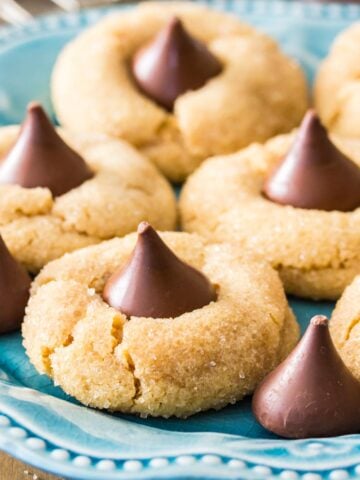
14, 291
173, 63
311, 120
315, 174
155, 282
312, 393
34, 106
319, 320
37, 123
40, 157
144, 227
175, 24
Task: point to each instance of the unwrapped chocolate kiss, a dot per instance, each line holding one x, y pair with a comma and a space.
173, 63
315, 174
14, 291
312, 393
40, 158
155, 282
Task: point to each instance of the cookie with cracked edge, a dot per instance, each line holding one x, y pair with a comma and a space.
41, 223
247, 90
316, 252
205, 358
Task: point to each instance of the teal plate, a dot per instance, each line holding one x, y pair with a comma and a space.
42, 426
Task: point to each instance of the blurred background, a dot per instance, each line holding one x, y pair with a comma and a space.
18, 11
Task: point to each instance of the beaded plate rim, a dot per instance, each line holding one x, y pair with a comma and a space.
19, 441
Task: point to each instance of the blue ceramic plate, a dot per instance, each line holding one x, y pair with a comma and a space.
42, 426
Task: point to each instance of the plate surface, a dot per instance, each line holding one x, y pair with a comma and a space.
42, 426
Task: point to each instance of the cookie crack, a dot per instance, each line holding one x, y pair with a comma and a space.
351, 327
46, 354
73, 228
9, 217
140, 189
132, 369
116, 332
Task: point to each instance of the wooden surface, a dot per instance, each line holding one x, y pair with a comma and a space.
11, 469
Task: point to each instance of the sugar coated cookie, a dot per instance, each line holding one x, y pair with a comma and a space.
190, 353
228, 87
55, 199
293, 200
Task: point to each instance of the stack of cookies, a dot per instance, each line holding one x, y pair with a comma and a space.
127, 313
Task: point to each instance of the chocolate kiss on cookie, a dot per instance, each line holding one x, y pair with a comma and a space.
155, 282
315, 174
173, 63
14, 291
40, 158
312, 393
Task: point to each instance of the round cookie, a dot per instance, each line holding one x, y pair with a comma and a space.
316, 252
125, 189
259, 93
345, 327
205, 358
337, 86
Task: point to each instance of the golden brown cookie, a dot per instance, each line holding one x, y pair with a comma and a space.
125, 189
259, 93
202, 359
337, 86
345, 326
317, 253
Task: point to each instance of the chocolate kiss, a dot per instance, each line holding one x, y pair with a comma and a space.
40, 158
312, 393
173, 63
14, 291
315, 174
155, 282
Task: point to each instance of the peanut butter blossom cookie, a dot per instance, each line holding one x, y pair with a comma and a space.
294, 200
55, 198
158, 324
179, 81
337, 86
345, 326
